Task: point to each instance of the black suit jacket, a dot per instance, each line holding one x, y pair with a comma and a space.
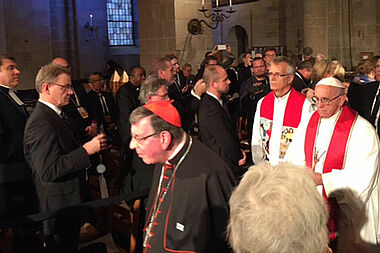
127, 100
218, 132
299, 83
56, 159
361, 98
95, 107
16, 189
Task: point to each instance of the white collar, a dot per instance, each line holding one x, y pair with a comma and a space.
213, 95
51, 106
178, 148
194, 94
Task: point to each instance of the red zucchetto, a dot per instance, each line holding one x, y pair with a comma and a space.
166, 111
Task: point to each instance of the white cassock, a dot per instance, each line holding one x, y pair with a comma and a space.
257, 143
360, 173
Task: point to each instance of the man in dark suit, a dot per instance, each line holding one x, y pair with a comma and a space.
57, 160
302, 76
17, 194
127, 100
82, 124
101, 104
216, 129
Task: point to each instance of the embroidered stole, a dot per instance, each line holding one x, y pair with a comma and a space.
291, 120
335, 156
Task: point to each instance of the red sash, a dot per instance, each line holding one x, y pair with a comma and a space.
292, 117
336, 153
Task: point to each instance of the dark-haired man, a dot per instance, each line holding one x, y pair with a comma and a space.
101, 104
187, 205
17, 194
302, 76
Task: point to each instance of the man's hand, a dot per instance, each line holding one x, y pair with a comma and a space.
317, 177
97, 144
91, 130
244, 159
184, 89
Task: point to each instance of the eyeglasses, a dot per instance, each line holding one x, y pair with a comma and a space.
64, 87
277, 75
141, 139
325, 101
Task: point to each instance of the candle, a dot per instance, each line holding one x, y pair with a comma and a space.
203, 3
91, 24
217, 3
230, 3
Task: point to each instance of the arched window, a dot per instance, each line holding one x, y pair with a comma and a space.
120, 23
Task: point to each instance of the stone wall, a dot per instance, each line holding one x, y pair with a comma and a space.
267, 23
34, 32
27, 36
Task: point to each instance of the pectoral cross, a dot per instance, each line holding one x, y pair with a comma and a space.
317, 158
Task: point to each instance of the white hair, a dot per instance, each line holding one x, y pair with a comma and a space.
277, 210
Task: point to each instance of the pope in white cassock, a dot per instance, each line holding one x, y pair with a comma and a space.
342, 148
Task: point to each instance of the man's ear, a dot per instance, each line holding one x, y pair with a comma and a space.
165, 139
291, 78
45, 88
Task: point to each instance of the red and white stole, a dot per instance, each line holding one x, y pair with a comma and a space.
335, 156
291, 120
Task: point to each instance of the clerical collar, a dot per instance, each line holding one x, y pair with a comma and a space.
284, 96
178, 148
213, 95
51, 106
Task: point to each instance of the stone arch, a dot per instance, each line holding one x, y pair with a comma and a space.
238, 39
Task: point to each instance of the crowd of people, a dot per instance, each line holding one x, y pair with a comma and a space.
308, 181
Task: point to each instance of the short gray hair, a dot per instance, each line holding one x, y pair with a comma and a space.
277, 210
48, 74
157, 124
291, 69
150, 86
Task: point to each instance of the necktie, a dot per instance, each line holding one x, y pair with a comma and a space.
103, 104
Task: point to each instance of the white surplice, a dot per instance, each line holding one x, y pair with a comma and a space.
359, 176
257, 144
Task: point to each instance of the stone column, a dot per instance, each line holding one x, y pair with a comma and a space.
316, 25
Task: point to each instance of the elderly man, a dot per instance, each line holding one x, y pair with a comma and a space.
187, 205
278, 114
277, 209
56, 158
17, 194
217, 131
140, 175
341, 149
83, 125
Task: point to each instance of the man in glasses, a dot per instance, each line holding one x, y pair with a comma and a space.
341, 149
278, 114
187, 205
57, 159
